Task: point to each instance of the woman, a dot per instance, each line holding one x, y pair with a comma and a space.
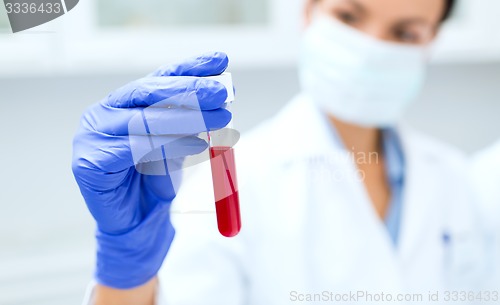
339, 202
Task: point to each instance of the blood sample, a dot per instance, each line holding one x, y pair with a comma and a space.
227, 204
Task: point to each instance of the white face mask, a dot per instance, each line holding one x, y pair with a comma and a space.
357, 78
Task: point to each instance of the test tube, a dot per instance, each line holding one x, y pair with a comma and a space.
227, 203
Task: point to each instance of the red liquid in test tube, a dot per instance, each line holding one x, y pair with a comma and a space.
221, 142
227, 203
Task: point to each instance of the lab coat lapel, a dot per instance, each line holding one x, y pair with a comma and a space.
421, 200
345, 238
304, 132
349, 246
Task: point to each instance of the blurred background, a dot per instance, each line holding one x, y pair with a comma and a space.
50, 74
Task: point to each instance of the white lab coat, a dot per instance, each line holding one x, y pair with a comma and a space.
485, 173
309, 227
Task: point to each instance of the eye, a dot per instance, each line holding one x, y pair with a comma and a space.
406, 36
347, 17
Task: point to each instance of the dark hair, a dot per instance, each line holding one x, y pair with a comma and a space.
448, 9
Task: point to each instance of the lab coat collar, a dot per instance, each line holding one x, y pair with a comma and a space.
305, 130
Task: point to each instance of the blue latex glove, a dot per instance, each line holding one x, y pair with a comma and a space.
131, 208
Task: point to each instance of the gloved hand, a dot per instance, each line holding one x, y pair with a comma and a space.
120, 162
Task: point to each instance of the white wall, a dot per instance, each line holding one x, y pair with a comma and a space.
74, 43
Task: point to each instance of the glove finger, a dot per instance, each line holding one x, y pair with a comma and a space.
144, 121
106, 159
101, 162
156, 121
156, 148
208, 64
191, 150
188, 92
